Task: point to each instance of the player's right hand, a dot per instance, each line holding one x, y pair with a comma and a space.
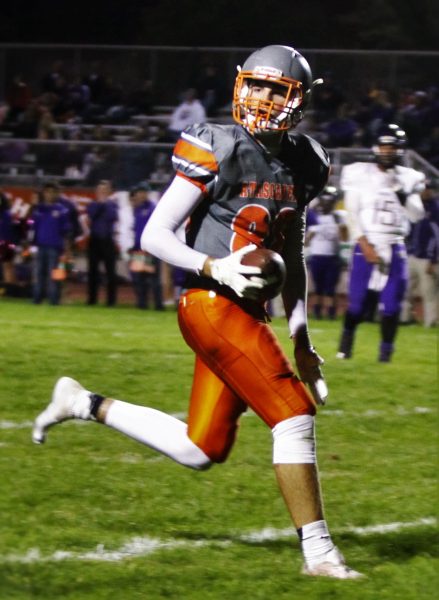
368, 250
243, 279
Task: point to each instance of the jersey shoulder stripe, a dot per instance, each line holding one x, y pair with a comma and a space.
194, 157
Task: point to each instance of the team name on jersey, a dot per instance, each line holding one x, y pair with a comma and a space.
268, 191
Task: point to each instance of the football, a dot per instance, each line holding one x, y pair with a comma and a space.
273, 270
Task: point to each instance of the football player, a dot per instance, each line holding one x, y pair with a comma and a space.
325, 230
381, 198
239, 187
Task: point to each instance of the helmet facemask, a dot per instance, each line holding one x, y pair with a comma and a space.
388, 155
389, 149
258, 115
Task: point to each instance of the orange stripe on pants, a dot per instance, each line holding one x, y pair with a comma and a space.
239, 363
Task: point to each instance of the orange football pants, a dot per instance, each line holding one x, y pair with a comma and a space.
239, 363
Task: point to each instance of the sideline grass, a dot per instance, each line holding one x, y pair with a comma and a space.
90, 487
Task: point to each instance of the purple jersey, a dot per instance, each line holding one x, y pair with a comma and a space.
142, 214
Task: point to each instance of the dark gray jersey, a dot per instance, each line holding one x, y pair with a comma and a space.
249, 195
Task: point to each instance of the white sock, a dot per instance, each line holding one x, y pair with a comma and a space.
157, 430
81, 405
316, 542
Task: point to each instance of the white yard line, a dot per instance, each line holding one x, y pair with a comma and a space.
143, 546
15, 425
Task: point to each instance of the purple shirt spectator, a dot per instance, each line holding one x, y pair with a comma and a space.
103, 216
50, 225
142, 213
6, 224
423, 241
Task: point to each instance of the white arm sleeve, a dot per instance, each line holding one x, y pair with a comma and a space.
415, 208
161, 236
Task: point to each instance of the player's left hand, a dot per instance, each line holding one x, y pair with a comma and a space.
308, 364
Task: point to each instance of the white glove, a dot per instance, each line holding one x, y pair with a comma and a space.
229, 271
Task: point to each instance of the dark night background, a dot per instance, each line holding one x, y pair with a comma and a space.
348, 24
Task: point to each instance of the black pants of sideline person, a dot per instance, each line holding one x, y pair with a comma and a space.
102, 250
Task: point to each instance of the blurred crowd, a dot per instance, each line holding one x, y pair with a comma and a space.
95, 107
341, 121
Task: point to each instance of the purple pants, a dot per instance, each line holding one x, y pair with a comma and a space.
390, 297
325, 271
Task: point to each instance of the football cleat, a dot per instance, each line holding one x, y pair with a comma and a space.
346, 344
333, 566
386, 351
69, 401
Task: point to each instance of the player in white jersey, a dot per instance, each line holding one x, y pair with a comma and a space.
326, 230
381, 198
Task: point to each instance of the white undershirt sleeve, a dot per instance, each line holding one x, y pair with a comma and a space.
414, 207
162, 234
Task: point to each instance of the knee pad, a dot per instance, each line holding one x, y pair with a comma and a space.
294, 441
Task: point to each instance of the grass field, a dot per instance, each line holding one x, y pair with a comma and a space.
92, 515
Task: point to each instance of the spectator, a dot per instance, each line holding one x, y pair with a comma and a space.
103, 215
188, 112
99, 164
135, 162
178, 280
72, 157
431, 147
50, 81
325, 230
18, 97
74, 227
423, 259
145, 269
7, 241
141, 100
327, 98
77, 96
46, 125
96, 82
341, 131
378, 110
210, 90
50, 231
27, 124
413, 116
